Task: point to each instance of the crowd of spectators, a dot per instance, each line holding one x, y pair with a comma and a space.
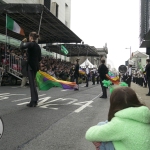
55, 67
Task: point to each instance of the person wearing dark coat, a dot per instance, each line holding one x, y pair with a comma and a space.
71, 73
147, 71
33, 59
103, 70
76, 73
24, 71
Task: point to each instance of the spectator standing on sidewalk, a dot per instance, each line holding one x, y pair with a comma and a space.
147, 71
128, 126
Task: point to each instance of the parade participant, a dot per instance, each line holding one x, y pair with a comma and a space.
93, 75
128, 125
33, 59
97, 76
76, 73
71, 73
129, 78
103, 70
87, 71
147, 71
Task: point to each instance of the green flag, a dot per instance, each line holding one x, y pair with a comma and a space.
64, 50
13, 26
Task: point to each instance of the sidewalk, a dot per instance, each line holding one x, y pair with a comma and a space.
141, 92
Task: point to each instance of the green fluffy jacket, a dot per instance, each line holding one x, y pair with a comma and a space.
128, 130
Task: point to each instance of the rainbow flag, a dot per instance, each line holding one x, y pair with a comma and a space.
81, 71
114, 80
46, 81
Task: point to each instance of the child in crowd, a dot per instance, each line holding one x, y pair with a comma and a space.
128, 126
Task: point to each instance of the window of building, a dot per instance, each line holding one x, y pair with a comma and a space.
47, 3
66, 23
57, 8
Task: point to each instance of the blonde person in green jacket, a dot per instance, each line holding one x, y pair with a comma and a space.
128, 126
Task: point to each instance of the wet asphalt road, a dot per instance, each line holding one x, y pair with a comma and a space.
58, 123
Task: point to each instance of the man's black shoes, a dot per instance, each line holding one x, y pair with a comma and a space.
103, 97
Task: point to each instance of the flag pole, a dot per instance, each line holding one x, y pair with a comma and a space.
6, 39
40, 23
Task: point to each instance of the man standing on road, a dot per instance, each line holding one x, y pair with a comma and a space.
129, 78
147, 70
33, 59
76, 73
87, 71
103, 70
72, 70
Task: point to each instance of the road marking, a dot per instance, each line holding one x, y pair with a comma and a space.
26, 98
83, 85
64, 90
96, 97
86, 105
43, 100
83, 107
2, 98
4, 93
23, 103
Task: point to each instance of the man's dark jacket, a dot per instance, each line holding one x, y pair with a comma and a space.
76, 73
147, 70
33, 54
103, 70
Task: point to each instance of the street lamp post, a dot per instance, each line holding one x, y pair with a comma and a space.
130, 51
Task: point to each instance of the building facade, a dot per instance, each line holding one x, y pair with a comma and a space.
59, 8
144, 35
96, 61
139, 60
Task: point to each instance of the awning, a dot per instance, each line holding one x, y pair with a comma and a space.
74, 50
28, 17
10, 41
145, 44
87, 63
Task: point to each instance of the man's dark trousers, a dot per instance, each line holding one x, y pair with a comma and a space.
93, 79
87, 80
148, 81
33, 90
104, 89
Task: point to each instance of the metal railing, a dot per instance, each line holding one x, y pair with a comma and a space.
14, 66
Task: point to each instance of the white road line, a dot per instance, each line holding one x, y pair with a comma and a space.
23, 103
25, 98
96, 97
83, 107
4, 93
86, 105
64, 90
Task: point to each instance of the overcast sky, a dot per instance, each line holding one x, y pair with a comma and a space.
115, 22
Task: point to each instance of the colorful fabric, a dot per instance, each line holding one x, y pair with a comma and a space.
46, 81
129, 129
111, 74
13, 26
81, 72
114, 80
